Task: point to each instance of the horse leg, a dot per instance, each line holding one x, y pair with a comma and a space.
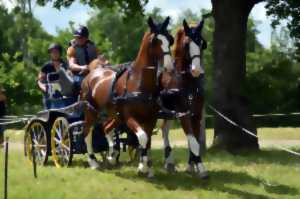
169, 160
199, 166
195, 161
143, 138
109, 134
149, 129
87, 131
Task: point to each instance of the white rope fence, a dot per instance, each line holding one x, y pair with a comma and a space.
12, 119
249, 132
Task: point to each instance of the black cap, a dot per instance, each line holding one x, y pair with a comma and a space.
55, 46
82, 31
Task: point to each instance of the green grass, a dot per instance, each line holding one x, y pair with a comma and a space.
256, 175
178, 134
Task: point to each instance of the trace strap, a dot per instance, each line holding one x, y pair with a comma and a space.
249, 132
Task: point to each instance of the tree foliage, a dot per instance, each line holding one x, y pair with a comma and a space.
272, 83
289, 12
23, 51
129, 8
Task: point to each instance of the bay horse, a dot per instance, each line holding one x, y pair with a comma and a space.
188, 79
129, 97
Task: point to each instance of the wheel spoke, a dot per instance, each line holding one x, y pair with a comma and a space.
40, 132
33, 133
58, 132
43, 153
57, 141
61, 142
40, 145
65, 147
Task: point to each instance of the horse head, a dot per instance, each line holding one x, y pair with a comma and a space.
192, 45
161, 40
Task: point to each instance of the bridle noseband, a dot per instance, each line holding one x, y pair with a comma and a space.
195, 56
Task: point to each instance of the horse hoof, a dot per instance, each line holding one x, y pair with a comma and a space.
170, 168
203, 175
111, 160
141, 174
190, 169
93, 164
201, 171
150, 175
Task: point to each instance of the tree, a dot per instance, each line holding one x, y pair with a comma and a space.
21, 58
288, 10
229, 54
117, 38
129, 8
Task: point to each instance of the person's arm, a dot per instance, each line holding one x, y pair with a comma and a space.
42, 85
74, 67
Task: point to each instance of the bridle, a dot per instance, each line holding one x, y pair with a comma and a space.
188, 59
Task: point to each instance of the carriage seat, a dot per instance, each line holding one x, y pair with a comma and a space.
60, 89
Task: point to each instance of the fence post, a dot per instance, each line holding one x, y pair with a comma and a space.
6, 168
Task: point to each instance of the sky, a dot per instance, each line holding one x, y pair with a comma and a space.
53, 19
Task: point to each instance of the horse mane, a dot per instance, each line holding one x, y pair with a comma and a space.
177, 49
142, 51
178, 46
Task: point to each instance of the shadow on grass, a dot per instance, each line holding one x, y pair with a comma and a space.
219, 179
264, 156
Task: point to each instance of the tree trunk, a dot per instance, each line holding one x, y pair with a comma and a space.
229, 52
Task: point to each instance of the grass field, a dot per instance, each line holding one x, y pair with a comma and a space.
265, 174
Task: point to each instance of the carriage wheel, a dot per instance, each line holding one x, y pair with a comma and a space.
61, 143
39, 139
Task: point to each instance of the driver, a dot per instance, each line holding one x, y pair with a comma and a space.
80, 54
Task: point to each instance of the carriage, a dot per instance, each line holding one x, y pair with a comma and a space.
57, 131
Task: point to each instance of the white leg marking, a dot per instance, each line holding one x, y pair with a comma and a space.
89, 144
142, 137
110, 141
165, 132
111, 155
193, 144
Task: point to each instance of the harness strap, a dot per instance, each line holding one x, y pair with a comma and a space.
195, 56
128, 76
166, 53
